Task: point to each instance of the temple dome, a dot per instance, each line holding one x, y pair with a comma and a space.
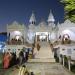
51, 17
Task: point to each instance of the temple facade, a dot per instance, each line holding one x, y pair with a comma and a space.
44, 31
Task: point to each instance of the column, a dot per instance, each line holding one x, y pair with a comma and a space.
8, 35
63, 61
47, 38
69, 61
59, 59
36, 38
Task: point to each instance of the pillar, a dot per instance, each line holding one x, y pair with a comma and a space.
59, 59
47, 38
36, 38
69, 63
63, 61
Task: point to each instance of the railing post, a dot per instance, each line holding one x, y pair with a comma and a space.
63, 61
69, 63
59, 59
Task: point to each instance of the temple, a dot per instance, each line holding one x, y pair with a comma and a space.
47, 31
42, 35
43, 31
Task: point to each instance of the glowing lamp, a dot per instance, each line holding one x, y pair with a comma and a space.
17, 37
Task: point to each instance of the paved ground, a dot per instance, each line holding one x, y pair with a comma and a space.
9, 71
42, 69
48, 69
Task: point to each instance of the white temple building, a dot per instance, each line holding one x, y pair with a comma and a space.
45, 32
48, 31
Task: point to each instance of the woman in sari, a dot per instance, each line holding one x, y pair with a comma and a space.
6, 60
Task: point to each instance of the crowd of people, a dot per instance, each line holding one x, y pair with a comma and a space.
12, 58
15, 42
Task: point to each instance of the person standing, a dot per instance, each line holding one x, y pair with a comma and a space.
6, 60
24, 59
21, 56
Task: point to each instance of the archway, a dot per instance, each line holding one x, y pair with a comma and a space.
16, 37
42, 36
66, 39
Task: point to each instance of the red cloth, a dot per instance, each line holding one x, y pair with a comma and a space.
6, 61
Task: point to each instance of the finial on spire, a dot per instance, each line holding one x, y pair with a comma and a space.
32, 19
51, 17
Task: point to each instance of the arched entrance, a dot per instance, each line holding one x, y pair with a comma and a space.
16, 37
41, 36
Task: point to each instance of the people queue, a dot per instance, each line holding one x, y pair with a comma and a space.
12, 58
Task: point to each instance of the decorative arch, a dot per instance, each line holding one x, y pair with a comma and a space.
66, 39
16, 37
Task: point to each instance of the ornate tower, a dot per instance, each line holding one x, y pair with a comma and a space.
51, 20
32, 22
31, 30
32, 19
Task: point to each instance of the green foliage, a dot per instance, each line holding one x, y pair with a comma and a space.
69, 7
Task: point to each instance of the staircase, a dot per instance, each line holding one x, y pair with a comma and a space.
45, 51
44, 54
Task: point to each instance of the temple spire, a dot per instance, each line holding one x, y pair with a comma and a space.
32, 19
51, 17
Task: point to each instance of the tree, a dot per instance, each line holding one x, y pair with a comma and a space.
69, 7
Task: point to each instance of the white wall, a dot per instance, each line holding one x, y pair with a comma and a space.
69, 50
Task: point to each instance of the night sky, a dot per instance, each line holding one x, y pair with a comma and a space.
20, 11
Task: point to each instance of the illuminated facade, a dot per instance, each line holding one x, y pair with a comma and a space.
44, 31
20, 33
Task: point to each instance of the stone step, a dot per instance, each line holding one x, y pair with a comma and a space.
44, 55
47, 69
44, 52
42, 60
